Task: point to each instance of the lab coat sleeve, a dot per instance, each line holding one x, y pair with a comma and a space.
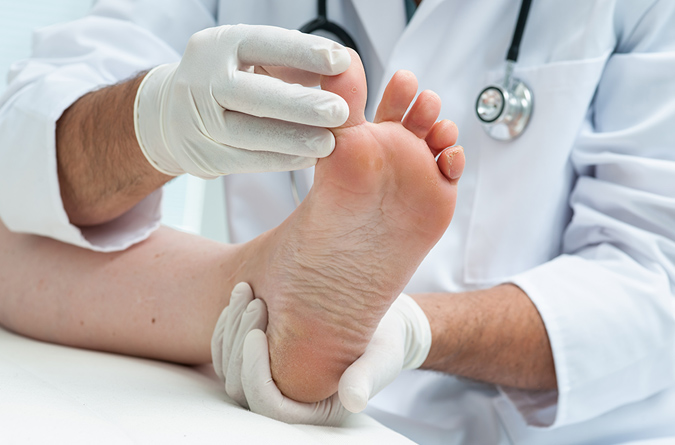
117, 40
608, 301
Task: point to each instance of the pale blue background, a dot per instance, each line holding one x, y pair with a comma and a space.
18, 18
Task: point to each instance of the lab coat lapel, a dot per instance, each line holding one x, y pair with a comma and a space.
424, 10
384, 22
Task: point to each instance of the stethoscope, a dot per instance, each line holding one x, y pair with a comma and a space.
503, 109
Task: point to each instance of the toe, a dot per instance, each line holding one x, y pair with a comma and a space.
451, 163
442, 135
397, 97
423, 114
351, 86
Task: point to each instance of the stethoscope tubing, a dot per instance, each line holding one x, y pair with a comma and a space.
321, 23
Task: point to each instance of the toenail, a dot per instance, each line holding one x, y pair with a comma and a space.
450, 157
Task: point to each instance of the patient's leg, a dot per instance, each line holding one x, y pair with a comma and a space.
158, 299
378, 205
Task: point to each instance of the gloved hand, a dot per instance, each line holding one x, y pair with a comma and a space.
227, 107
247, 376
401, 341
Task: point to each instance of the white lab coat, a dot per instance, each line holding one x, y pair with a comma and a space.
579, 211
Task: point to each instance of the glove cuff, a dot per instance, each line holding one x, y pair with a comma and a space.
418, 338
148, 120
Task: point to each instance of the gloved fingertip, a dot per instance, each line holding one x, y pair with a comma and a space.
240, 296
332, 110
242, 288
253, 338
326, 145
255, 317
341, 112
340, 59
256, 305
353, 398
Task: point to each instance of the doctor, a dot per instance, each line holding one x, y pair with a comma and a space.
576, 213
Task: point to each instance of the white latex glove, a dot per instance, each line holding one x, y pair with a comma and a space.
227, 107
401, 341
244, 314
247, 377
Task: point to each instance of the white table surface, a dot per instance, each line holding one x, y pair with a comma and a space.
56, 394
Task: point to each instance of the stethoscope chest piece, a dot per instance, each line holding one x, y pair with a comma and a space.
505, 110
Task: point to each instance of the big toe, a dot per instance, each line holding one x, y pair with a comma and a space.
351, 86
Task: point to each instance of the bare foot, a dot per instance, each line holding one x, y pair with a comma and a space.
378, 205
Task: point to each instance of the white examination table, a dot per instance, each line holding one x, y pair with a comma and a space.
56, 394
